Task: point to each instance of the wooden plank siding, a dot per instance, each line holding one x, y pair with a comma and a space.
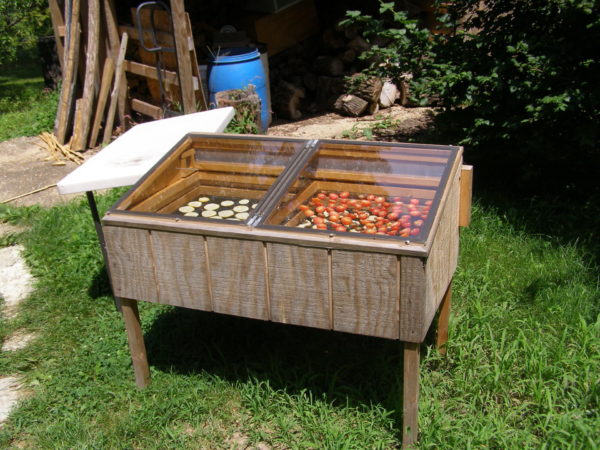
298, 285
238, 277
365, 294
131, 263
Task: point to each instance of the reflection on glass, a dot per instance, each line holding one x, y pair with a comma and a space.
215, 178
366, 189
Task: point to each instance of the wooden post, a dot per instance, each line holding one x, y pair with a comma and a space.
108, 127
410, 398
466, 194
58, 22
107, 77
442, 328
131, 317
186, 82
83, 119
69, 75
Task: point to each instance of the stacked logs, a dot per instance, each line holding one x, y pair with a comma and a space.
323, 74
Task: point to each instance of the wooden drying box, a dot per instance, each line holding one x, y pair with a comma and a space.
384, 286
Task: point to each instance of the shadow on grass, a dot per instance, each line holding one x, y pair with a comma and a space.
344, 368
537, 195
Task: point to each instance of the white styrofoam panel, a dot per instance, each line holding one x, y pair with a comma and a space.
125, 160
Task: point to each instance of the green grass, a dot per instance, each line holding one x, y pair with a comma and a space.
25, 108
522, 368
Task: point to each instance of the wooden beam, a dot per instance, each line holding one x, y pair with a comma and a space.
135, 337
147, 109
443, 321
69, 78
147, 71
200, 98
410, 398
466, 195
58, 25
183, 57
111, 27
110, 118
107, 76
84, 117
163, 37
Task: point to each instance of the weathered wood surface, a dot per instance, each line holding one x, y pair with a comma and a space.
237, 277
69, 79
182, 272
443, 321
135, 338
131, 262
365, 293
84, 117
285, 236
107, 76
298, 285
114, 97
147, 109
410, 397
184, 63
350, 105
58, 22
412, 299
443, 255
466, 195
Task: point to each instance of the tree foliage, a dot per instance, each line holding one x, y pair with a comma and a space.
21, 23
517, 80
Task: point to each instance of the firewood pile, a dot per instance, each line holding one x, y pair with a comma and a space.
322, 73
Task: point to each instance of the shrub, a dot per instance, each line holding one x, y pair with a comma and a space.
517, 80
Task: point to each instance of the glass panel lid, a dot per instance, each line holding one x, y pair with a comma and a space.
367, 189
213, 177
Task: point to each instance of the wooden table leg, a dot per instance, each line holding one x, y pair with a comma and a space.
135, 337
410, 399
442, 328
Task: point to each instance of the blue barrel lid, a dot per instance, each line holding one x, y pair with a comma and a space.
235, 54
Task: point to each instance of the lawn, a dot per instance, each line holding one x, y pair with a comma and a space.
522, 368
26, 109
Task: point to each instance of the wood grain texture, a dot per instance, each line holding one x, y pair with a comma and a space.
412, 298
184, 62
182, 274
114, 97
58, 23
365, 294
131, 263
197, 78
443, 321
443, 255
79, 141
298, 285
147, 109
410, 397
466, 195
279, 235
156, 181
237, 277
148, 71
69, 75
107, 76
135, 338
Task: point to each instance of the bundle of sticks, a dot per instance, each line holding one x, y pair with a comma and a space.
58, 152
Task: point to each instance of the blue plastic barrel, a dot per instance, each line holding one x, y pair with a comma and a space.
236, 68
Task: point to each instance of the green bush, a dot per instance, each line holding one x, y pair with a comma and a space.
517, 80
21, 23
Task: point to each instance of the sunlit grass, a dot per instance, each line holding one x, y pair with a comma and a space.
521, 371
26, 109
